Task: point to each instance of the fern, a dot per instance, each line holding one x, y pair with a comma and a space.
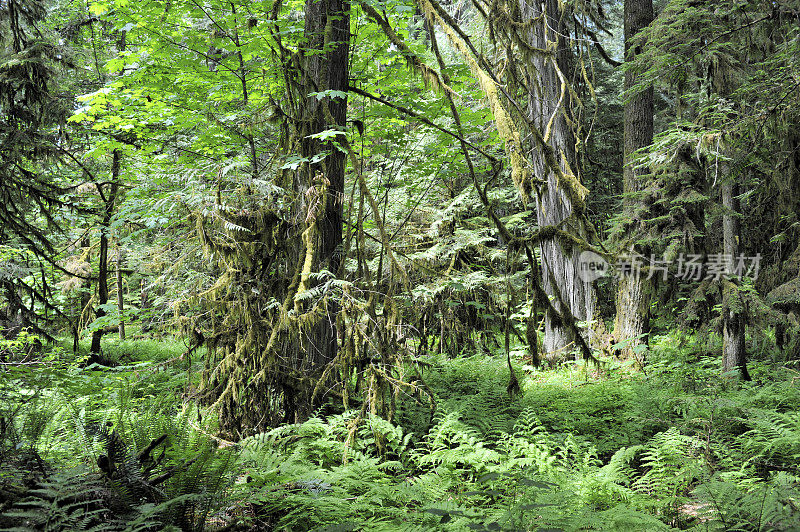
69, 500
672, 463
774, 441
759, 507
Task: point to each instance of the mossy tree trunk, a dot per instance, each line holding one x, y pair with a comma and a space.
325, 70
734, 355
633, 292
265, 360
550, 110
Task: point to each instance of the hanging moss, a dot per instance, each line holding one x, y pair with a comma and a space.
520, 171
271, 297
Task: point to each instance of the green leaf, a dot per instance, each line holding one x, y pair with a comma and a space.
330, 93
97, 9
327, 134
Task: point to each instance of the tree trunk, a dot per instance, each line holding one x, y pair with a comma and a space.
102, 275
559, 266
633, 293
327, 28
102, 295
733, 319
85, 299
734, 356
120, 292
108, 211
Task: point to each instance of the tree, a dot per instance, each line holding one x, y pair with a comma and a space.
31, 116
108, 196
536, 116
734, 356
324, 84
727, 77
633, 292
561, 194
108, 193
288, 255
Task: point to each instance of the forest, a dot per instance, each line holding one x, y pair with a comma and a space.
432, 265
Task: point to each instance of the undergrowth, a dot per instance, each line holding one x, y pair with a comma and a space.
582, 448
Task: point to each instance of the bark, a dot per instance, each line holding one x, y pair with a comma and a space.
102, 275
633, 293
559, 266
120, 293
327, 27
734, 355
102, 296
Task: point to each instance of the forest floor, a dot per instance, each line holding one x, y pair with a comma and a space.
580, 448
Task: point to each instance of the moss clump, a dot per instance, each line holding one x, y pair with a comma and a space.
786, 296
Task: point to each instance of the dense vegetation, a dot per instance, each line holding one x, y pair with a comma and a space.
389, 265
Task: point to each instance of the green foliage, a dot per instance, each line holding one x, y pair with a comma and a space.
81, 449
758, 506
510, 469
774, 441
66, 500
451, 481
716, 456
